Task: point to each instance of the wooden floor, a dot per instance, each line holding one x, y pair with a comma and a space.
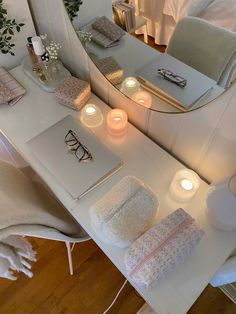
91, 289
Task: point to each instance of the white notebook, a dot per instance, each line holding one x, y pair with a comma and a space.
197, 86
78, 178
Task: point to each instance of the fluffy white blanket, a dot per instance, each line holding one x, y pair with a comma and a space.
27, 209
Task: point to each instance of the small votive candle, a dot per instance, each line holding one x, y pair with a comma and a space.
184, 185
143, 98
117, 122
130, 86
91, 116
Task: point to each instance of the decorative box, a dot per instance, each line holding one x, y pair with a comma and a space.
73, 93
162, 248
110, 68
125, 212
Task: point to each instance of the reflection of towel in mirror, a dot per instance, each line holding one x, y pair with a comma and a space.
108, 28
207, 48
27, 209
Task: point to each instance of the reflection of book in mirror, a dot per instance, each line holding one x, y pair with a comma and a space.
198, 84
78, 178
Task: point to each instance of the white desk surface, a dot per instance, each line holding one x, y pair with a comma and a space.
179, 290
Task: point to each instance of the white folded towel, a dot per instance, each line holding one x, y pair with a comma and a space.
125, 212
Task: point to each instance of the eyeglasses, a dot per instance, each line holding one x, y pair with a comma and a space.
174, 78
74, 145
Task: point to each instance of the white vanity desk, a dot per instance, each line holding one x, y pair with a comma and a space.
146, 160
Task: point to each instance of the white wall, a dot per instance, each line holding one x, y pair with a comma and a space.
19, 10
204, 139
91, 9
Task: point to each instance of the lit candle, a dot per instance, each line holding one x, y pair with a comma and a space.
91, 116
117, 122
143, 98
130, 86
184, 185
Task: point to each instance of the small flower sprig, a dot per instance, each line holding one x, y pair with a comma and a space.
84, 36
52, 48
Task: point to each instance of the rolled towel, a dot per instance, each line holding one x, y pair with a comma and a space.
108, 28
125, 212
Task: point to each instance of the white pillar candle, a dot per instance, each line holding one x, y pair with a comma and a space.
91, 116
130, 86
117, 122
184, 185
143, 98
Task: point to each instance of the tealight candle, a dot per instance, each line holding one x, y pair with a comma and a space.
117, 122
143, 98
130, 86
184, 185
91, 116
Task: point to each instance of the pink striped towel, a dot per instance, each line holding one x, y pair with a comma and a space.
10, 90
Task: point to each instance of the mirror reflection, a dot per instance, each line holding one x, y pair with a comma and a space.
157, 52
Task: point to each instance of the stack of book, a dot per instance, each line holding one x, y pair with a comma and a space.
124, 15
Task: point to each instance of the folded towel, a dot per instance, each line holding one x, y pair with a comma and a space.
5, 94
125, 212
108, 28
17, 91
161, 248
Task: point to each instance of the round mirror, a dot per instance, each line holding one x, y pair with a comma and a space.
132, 56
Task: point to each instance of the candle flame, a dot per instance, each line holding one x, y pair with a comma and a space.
186, 184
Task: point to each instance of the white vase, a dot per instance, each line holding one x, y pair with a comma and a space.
221, 203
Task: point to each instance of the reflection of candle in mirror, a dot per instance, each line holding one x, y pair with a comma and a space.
91, 116
130, 86
143, 98
117, 122
184, 185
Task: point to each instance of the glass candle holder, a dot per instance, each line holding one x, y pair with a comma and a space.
130, 86
117, 122
184, 185
91, 116
143, 98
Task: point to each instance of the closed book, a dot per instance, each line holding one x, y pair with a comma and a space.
78, 178
198, 84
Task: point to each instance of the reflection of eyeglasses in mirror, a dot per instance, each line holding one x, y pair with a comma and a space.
74, 145
174, 78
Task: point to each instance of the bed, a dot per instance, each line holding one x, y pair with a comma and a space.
162, 15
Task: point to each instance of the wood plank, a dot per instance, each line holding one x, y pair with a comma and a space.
90, 291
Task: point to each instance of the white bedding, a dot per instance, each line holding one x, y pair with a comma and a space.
179, 9
222, 13
162, 15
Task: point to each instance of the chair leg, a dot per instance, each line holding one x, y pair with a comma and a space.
145, 34
69, 258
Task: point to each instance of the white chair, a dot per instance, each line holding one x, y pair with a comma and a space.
208, 48
28, 209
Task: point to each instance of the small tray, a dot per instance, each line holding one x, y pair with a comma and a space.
49, 87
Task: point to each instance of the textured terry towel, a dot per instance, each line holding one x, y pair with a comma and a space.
162, 247
125, 212
27, 209
207, 48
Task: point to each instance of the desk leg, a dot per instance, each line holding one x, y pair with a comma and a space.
145, 34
